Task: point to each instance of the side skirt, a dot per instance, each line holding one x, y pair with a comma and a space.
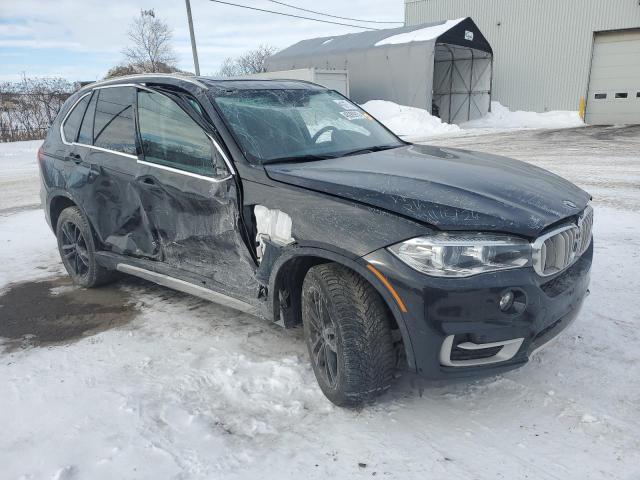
154, 273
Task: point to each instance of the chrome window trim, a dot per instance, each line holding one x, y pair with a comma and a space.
100, 87
62, 137
217, 146
232, 171
184, 172
106, 150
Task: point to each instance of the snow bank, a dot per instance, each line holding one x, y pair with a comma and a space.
417, 124
501, 117
408, 121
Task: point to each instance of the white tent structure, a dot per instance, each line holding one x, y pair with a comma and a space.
443, 67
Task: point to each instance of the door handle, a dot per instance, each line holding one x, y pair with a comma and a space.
74, 157
149, 181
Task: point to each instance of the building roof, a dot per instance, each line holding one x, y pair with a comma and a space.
444, 31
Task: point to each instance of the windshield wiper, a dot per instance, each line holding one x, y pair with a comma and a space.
311, 157
377, 148
297, 158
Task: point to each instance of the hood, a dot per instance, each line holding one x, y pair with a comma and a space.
446, 188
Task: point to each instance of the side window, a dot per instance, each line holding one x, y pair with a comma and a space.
173, 139
86, 128
113, 126
72, 122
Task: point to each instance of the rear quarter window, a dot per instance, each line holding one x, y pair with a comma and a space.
73, 119
85, 136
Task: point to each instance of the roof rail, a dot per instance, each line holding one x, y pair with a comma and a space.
141, 77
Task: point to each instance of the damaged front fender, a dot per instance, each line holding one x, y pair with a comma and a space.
283, 269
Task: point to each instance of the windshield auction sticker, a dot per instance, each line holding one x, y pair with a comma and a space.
352, 115
346, 105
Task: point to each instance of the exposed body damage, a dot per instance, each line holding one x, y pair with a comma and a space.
273, 226
448, 189
281, 196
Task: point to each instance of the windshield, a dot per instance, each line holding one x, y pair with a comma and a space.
297, 124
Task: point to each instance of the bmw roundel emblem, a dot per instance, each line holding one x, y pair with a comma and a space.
569, 204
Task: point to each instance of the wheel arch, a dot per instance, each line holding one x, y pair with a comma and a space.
288, 273
57, 203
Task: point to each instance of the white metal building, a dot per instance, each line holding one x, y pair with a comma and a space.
548, 54
443, 66
337, 80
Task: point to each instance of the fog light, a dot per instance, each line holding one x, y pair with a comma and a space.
506, 301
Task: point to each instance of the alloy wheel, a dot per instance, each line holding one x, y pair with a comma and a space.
74, 249
324, 350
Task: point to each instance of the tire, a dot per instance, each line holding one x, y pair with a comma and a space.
351, 348
77, 248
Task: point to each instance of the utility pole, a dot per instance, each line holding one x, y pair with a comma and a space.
194, 50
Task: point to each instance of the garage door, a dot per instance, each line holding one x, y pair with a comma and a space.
614, 85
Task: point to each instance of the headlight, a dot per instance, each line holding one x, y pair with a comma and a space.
463, 254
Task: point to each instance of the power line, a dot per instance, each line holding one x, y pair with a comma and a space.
329, 15
292, 15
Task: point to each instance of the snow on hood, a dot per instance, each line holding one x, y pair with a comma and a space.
501, 117
420, 35
408, 122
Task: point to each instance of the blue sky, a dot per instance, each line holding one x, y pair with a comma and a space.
82, 39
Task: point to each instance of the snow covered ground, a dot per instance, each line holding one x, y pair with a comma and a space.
189, 389
18, 168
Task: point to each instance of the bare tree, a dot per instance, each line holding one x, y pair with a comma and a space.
150, 43
229, 68
128, 69
253, 61
29, 106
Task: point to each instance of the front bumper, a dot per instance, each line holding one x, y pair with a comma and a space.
459, 319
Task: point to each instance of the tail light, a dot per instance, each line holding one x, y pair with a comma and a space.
41, 154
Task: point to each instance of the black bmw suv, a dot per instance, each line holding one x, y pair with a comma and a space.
286, 200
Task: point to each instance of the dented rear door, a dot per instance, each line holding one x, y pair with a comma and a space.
105, 170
